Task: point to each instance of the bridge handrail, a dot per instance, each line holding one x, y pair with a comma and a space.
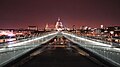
103, 51
45, 39
113, 44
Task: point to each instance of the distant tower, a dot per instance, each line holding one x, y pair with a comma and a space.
101, 26
59, 25
46, 27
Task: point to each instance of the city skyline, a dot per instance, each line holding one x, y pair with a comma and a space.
93, 13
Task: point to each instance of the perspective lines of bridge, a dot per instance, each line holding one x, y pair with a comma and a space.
59, 49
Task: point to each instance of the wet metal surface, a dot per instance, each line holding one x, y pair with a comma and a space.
60, 57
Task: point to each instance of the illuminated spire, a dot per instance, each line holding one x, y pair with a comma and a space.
59, 19
46, 27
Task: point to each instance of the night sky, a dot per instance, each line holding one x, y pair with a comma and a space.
22, 13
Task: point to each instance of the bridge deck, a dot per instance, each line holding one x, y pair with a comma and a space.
60, 57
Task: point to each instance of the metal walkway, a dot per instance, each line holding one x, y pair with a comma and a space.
60, 57
104, 51
57, 54
54, 54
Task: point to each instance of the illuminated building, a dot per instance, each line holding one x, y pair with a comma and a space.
59, 25
32, 28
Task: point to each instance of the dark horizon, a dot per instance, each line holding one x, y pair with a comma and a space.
93, 13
